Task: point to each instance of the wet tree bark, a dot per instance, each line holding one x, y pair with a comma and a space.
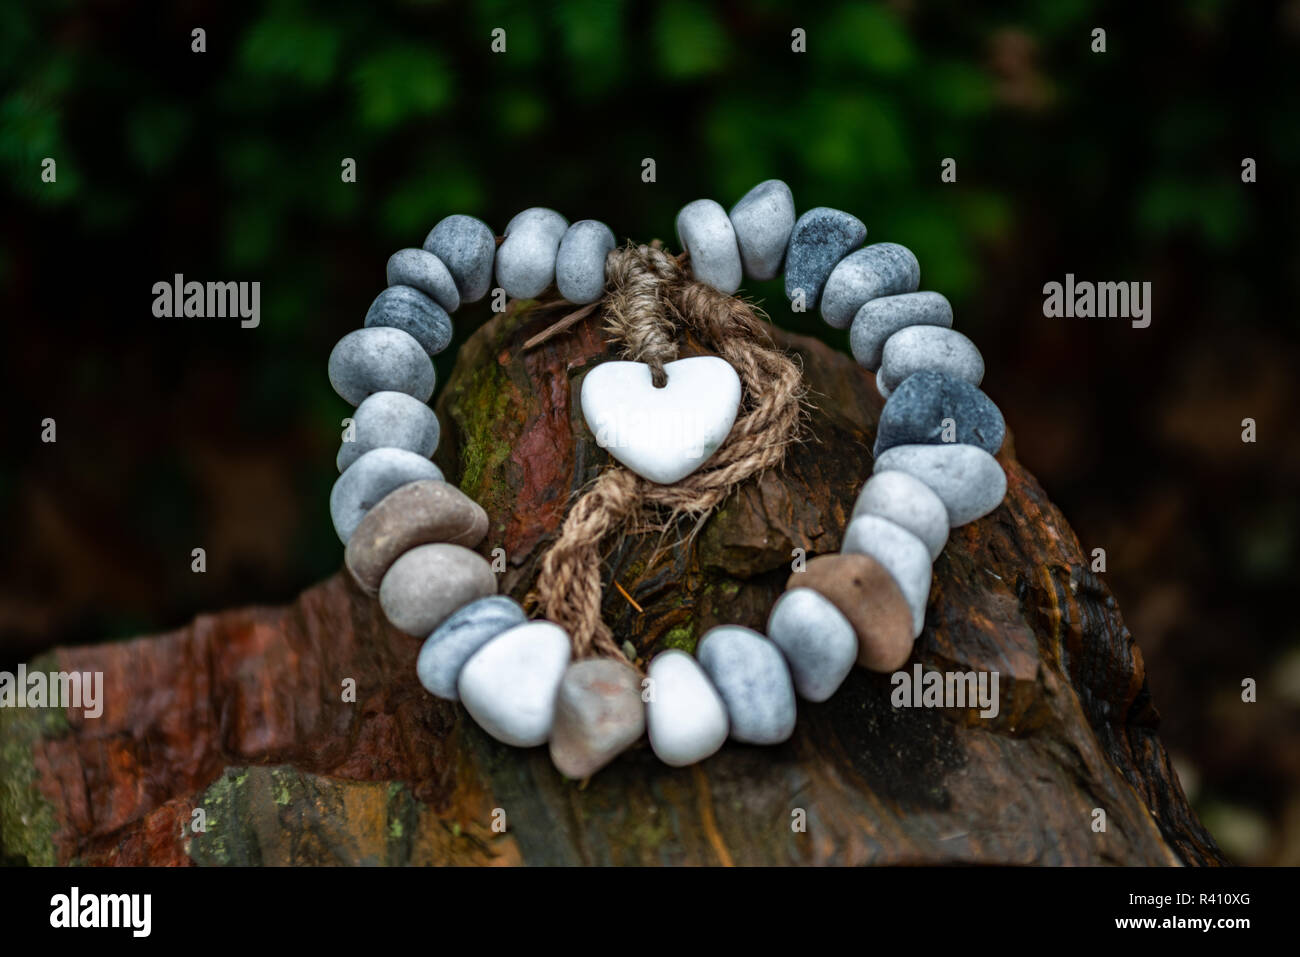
243, 715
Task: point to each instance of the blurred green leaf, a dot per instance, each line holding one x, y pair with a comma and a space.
155, 132
689, 41
289, 42
400, 83
863, 35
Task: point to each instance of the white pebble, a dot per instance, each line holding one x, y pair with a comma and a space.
763, 220
970, 482
907, 501
928, 348
508, 686
526, 259
685, 715
817, 640
705, 232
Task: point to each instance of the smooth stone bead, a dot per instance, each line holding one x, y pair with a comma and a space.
817, 640
763, 220
425, 585
685, 716
417, 513
424, 271
918, 409
598, 715
662, 434
466, 630
867, 595
392, 420
381, 359
968, 479
906, 501
371, 477
408, 309
878, 319
881, 269
508, 686
467, 247
903, 555
753, 679
820, 239
705, 232
580, 262
526, 260
928, 349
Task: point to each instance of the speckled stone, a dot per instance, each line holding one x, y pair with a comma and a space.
598, 715
408, 309
903, 555
366, 361
417, 513
705, 232
685, 716
818, 642
753, 679
917, 410
580, 262
878, 319
467, 247
425, 585
509, 685
907, 501
968, 479
466, 630
526, 260
867, 595
392, 420
424, 271
820, 239
928, 348
881, 269
763, 220
368, 479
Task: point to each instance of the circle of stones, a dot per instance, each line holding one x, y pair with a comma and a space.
404, 527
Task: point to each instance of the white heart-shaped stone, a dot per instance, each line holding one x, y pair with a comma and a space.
662, 434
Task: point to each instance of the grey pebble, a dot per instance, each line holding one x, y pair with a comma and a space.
425, 585
372, 476
932, 348
922, 405
424, 271
970, 482
906, 501
878, 319
881, 269
464, 632
598, 715
381, 359
818, 642
763, 219
392, 420
526, 260
580, 262
754, 681
467, 247
408, 309
705, 232
820, 239
902, 554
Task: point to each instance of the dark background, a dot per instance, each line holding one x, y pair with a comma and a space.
225, 166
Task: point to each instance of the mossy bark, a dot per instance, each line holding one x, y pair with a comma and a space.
246, 714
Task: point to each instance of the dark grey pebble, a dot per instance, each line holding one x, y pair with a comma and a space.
381, 359
408, 309
467, 247
820, 239
916, 410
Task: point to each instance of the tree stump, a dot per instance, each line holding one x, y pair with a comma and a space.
242, 714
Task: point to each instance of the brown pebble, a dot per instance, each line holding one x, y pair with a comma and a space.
598, 715
866, 594
418, 513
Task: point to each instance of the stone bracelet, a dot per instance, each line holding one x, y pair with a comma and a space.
404, 527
